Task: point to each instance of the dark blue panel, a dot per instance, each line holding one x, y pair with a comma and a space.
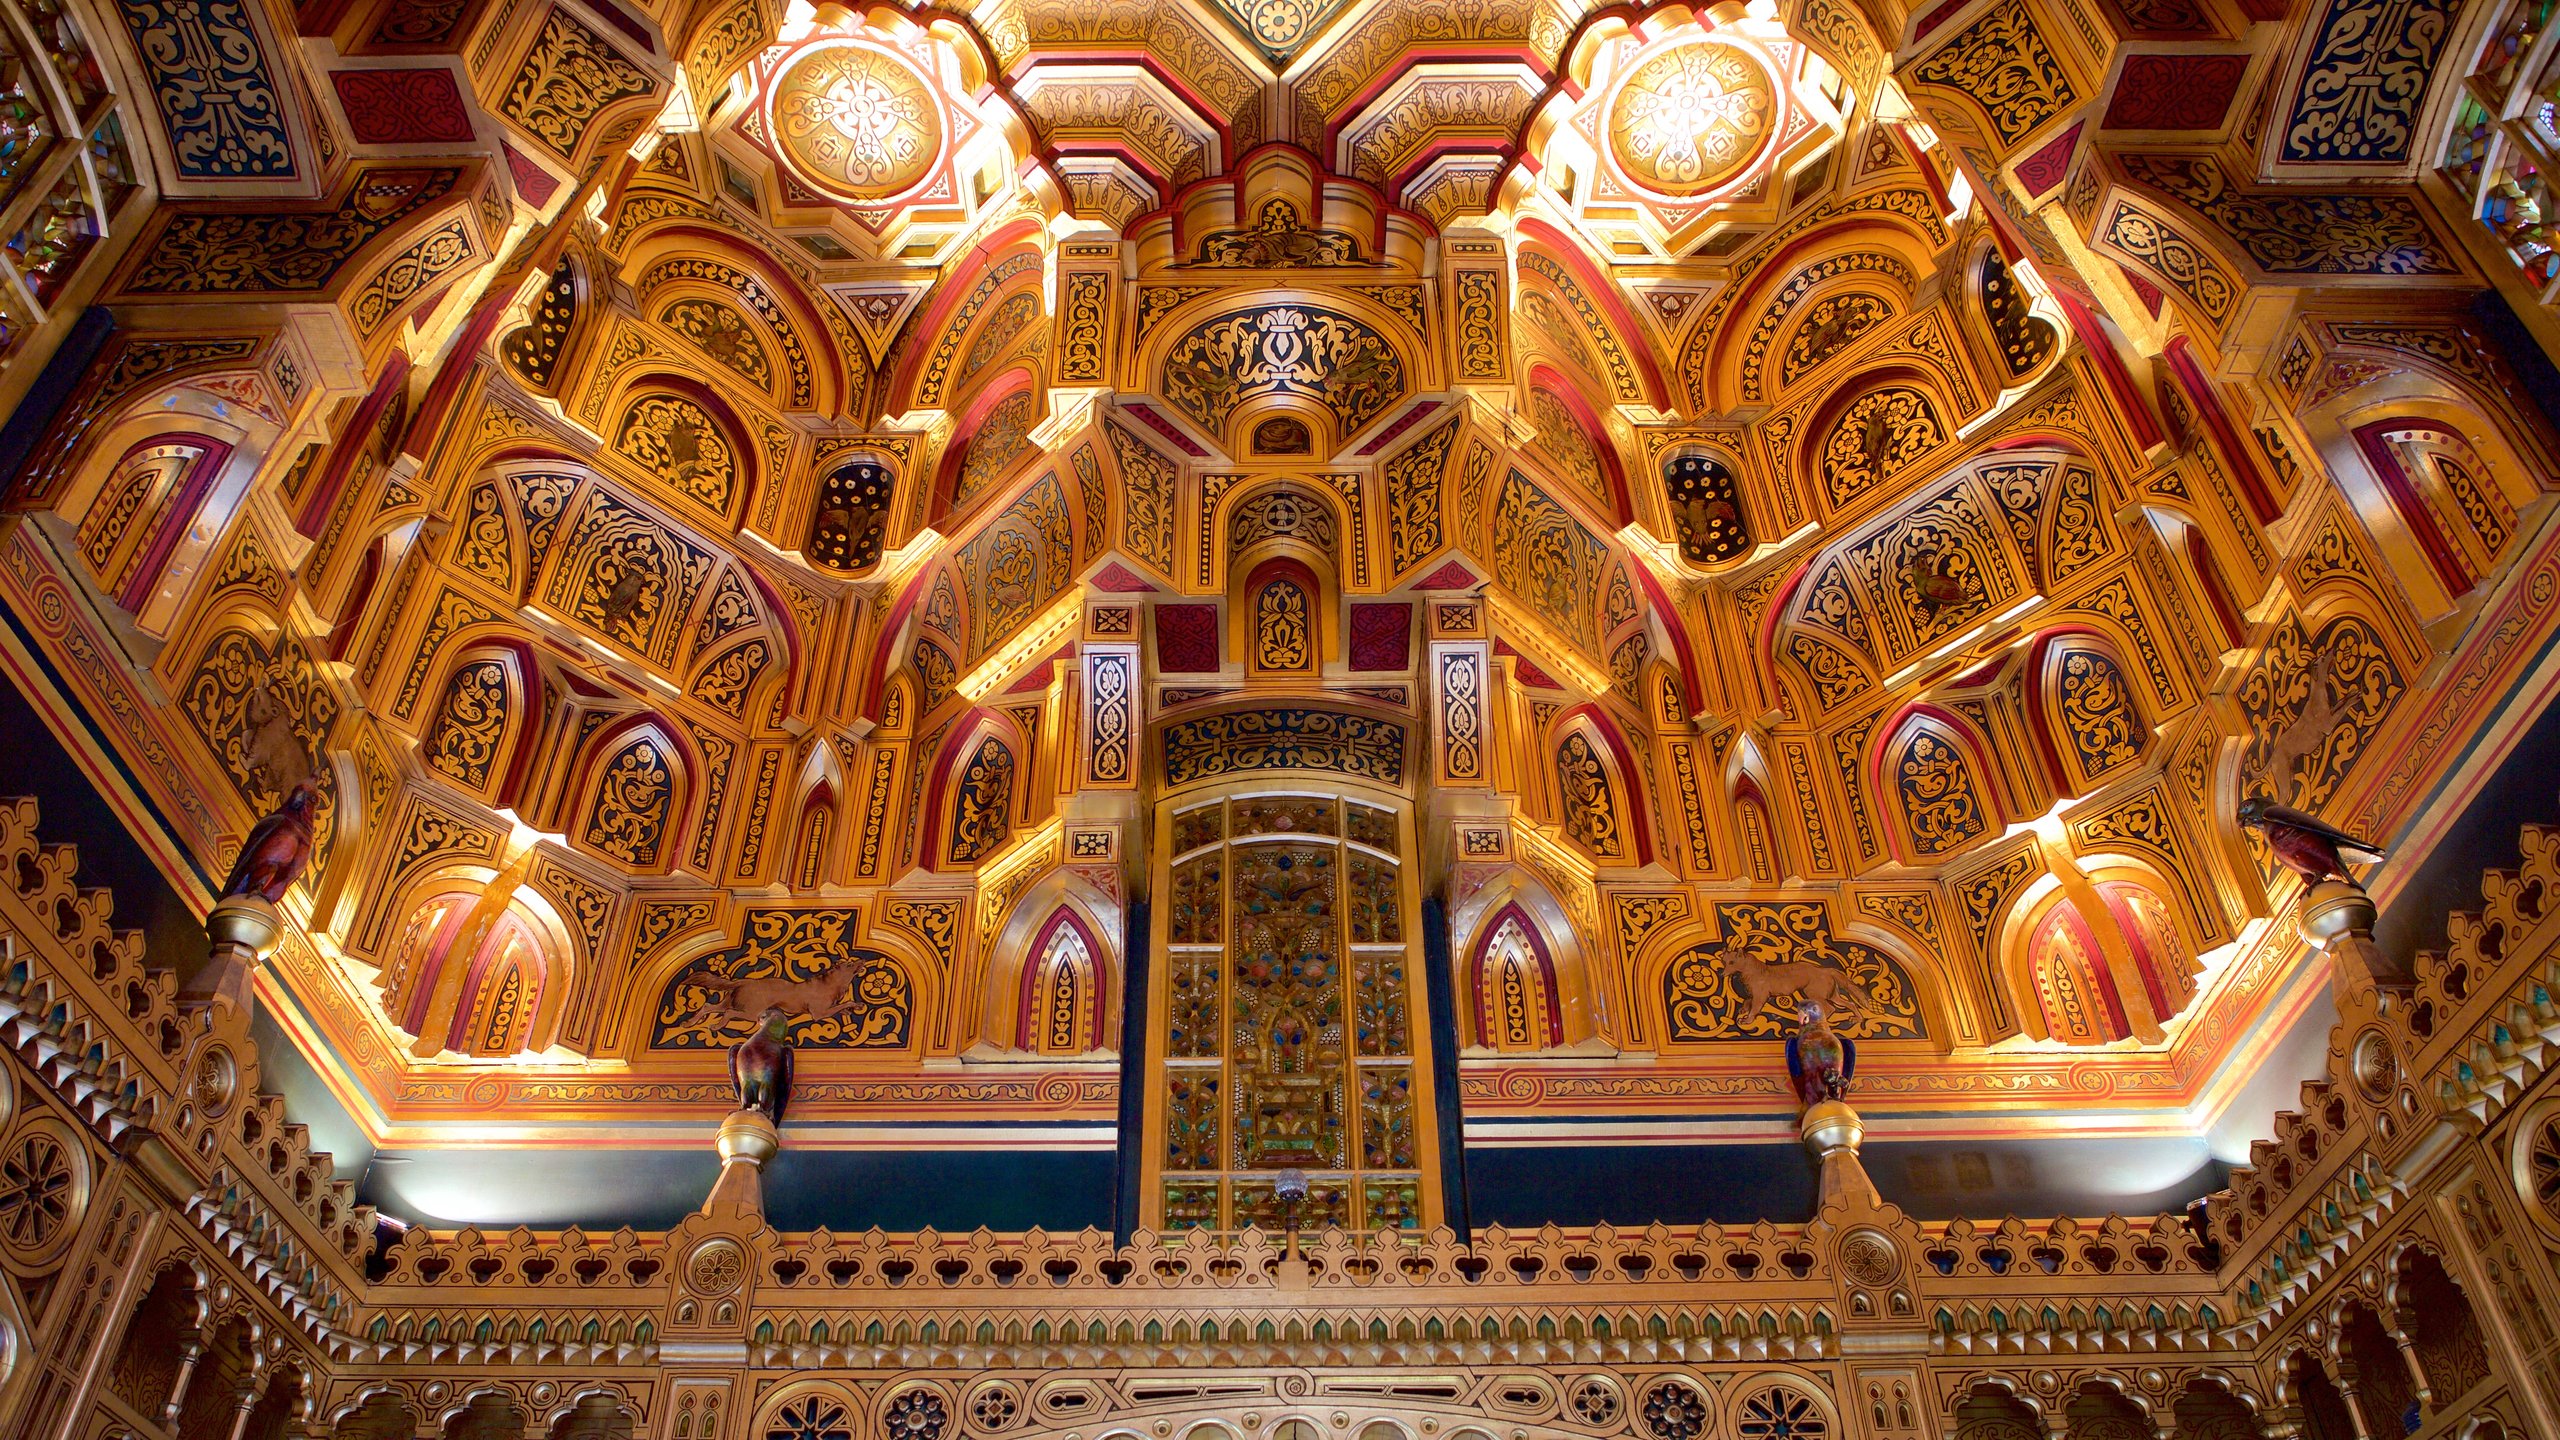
70, 811
2524, 790
1129, 1161
1521, 1188
845, 1191
1741, 1183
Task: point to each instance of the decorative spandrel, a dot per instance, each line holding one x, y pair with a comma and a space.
1287, 1003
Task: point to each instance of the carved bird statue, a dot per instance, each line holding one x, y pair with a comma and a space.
1819, 1059
1934, 580
2305, 844
760, 1066
271, 859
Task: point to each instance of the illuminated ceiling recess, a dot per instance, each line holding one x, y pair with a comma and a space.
1682, 131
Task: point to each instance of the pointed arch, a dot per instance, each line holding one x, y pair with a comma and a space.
1064, 1003
978, 792
1599, 794
1938, 773
1511, 985
635, 788
142, 512
2089, 724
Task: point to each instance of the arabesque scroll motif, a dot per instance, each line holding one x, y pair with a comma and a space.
848, 997
1341, 362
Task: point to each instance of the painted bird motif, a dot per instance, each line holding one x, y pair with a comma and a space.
2305, 844
271, 859
1934, 579
1819, 1059
760, 1066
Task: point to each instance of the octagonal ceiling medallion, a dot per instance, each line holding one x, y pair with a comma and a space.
1691, 118
856, 120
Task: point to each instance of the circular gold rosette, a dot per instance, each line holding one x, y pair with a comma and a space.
1692, 117
857, 121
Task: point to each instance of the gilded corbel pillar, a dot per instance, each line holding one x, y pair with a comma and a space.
241, 1408
2348, 1387
2398, 1324
187, 1357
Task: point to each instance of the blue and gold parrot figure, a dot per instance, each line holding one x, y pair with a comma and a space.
1819, 1059
761, 1066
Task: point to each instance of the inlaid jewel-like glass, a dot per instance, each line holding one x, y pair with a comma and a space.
1290, 1018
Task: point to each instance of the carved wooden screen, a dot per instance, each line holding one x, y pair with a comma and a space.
1289, 1008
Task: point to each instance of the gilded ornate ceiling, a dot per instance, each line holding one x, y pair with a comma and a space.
1725, 504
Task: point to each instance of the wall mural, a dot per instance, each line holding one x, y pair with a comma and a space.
1745, 985
840, 996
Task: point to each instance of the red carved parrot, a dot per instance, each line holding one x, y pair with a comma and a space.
271, 859
1819, 1059
760, 1066
2305, 844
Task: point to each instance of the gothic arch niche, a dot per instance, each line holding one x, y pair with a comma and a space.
146, 513
2163, 953
476, 735
2441, 478
1059, 943
636, 789
143, 512
483, 969
2448, 498
2081, 699
2062, 979
816, 820
1760, 853
2371, 1365
1064, 991
1941, 786
1513, 997
1598, 794
1513, 919
1288, 1004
